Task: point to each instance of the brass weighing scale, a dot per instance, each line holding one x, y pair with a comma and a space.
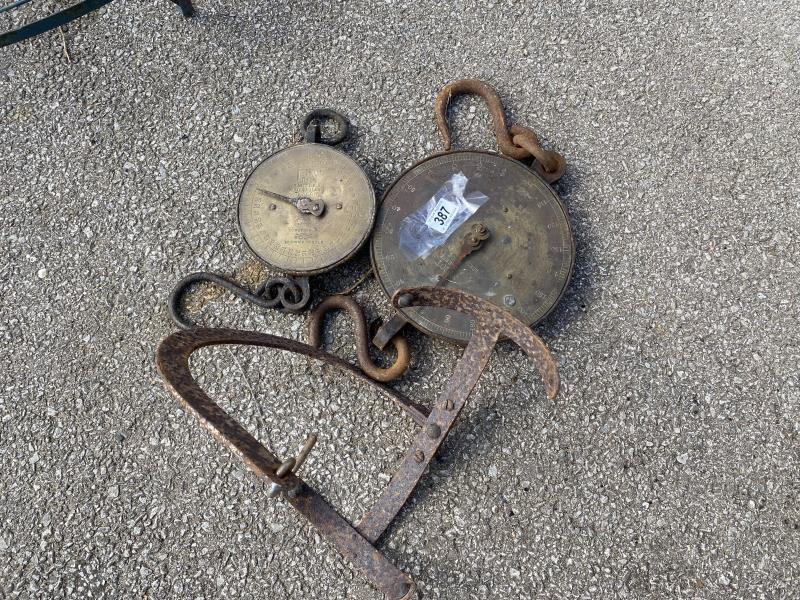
304, 210
480, 222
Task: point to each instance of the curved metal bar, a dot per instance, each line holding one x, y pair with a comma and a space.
330, 303
66, 16
172, 360
491, 321
53, 21
356, 542
493, 103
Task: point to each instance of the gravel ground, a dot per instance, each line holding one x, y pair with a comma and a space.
667, 467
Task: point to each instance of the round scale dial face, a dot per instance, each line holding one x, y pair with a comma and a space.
306, 209
478, 222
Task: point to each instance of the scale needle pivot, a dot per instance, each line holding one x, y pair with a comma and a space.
471, 242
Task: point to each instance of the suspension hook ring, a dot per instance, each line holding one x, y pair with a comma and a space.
311, 126
515, 142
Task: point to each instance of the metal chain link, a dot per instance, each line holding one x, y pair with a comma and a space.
516, 142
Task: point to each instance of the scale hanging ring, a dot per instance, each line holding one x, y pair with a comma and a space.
300, 293
320, 114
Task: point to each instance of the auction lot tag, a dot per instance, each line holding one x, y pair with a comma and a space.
442, 215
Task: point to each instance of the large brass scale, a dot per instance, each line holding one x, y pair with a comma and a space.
516, 250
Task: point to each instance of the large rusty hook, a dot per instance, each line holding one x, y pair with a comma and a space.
362, 338
517, 142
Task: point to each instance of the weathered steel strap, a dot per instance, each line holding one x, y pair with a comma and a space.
347, 303
517, 142
66, 16
172, 359
491, 322
428, 440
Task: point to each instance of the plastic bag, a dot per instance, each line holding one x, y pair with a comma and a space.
434, 222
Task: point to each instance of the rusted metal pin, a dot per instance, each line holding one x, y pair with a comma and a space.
292, 465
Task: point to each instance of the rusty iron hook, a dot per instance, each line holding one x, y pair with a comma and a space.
347, 303
517, 142
290, 294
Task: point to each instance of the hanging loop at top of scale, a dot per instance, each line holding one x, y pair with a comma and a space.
312, 127
515, 142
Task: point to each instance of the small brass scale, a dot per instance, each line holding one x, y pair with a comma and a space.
501, 269
303, 211
308, 208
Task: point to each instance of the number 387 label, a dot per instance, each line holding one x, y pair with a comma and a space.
442, 215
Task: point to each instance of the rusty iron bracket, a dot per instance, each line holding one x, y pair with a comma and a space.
356, 542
